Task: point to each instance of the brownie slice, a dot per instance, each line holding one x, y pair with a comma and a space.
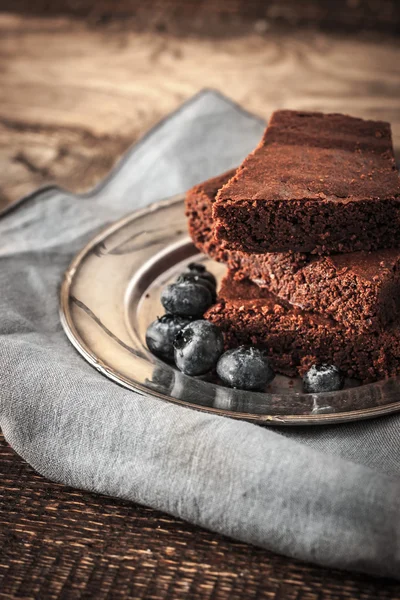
198, 207
359, 289
317, 183
295, 339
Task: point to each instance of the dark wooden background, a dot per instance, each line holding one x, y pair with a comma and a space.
80, 82
377, 15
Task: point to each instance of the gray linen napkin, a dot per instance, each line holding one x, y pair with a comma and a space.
329, 495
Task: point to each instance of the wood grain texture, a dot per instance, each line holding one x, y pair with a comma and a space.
60, 543
73, 97
192, 15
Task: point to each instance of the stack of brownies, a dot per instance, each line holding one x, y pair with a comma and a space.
309, 228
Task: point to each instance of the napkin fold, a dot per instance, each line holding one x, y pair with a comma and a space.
328, 494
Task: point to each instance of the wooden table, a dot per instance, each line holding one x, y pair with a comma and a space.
73, 98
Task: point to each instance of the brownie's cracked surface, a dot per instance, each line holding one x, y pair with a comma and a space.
295, 339
360, 289
318, 183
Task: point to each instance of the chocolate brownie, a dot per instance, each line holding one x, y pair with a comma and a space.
295, 339
359, 289
198, 209
317, 183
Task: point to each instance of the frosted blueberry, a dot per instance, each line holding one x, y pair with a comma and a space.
161, 334
245, 368
187, 299
197, 278
323, 378
198, 347
200, 269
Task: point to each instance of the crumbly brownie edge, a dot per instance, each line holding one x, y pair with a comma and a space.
198, 210
321, 227
294, 339
359, 303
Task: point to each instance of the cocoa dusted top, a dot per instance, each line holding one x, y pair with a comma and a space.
310, 155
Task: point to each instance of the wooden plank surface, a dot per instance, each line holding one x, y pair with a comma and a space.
73, 98
60, 543
192, 15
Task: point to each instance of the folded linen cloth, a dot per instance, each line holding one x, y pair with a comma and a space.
325, 494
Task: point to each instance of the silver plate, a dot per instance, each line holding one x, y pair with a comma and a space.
110, 294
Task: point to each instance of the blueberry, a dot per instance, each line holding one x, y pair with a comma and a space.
198, 346
187, 299
161, 334
195, 278
323, 378
200, 269
245, 368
